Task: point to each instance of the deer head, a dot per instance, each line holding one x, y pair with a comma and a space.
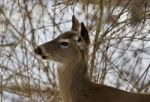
68, 47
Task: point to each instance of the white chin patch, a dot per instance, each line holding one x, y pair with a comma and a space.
58, 65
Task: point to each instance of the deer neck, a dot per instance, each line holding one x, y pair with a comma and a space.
71, 78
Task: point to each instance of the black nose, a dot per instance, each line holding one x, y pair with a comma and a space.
38, 51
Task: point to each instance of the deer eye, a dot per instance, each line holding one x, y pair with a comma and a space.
64, 44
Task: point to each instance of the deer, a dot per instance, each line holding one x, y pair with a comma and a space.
71, 51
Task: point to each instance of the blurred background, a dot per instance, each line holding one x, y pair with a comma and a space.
119, 52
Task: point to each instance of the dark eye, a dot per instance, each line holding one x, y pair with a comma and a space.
64, 44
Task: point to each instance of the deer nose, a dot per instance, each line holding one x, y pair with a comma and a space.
38, 50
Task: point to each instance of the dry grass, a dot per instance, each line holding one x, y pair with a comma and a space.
119, 54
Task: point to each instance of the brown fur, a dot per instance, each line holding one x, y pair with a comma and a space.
74, 84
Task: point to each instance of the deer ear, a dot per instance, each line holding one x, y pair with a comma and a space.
75, 24
84, 34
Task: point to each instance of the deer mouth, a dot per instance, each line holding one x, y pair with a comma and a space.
44, 56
